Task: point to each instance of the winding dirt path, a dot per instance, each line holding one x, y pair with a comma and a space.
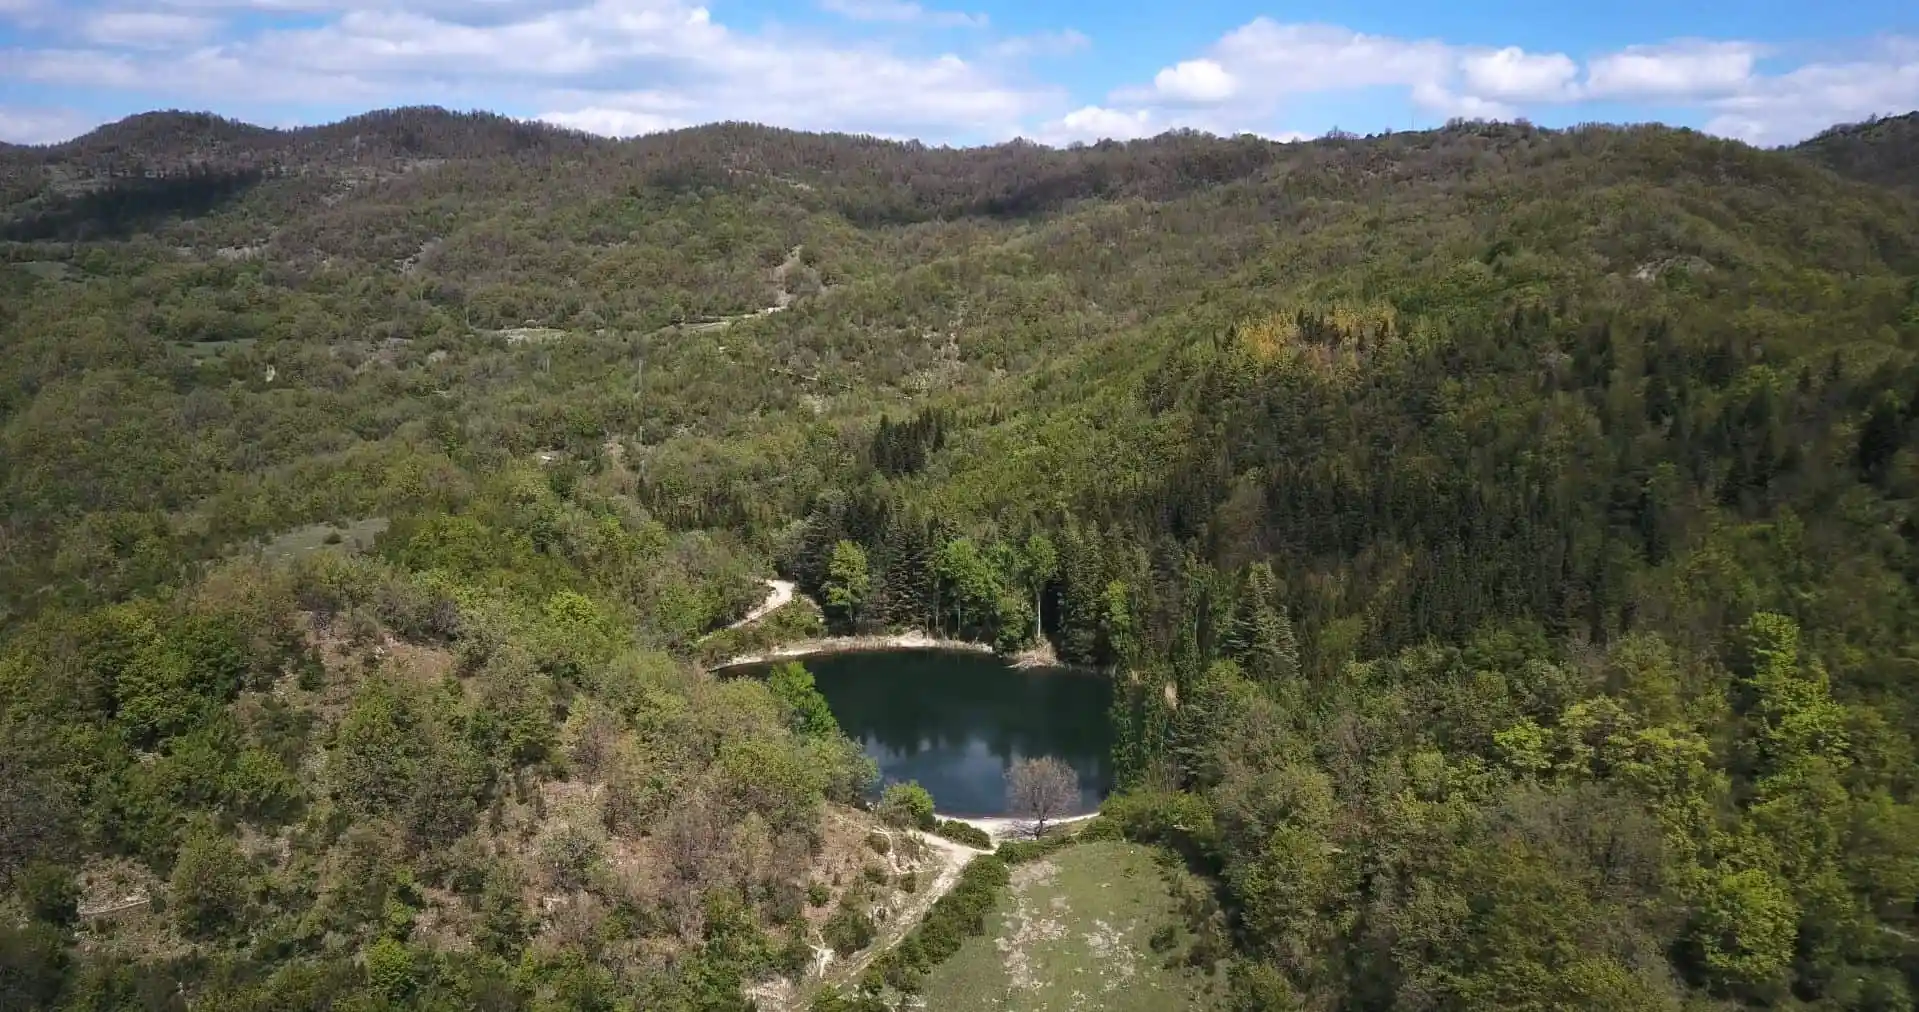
779, 594
944, 858
949, 859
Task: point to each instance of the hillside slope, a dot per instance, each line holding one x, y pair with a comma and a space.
1884, 151
1506, 542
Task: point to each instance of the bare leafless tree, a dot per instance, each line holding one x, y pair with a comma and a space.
1040, 789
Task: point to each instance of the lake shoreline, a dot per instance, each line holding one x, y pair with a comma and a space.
1006, 827
1037, 656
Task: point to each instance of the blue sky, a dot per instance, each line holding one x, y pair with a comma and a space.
964, 72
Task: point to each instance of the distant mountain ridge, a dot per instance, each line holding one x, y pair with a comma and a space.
172, 139
144, 170
1882, 151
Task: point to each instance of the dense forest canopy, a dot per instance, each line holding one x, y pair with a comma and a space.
1504, 541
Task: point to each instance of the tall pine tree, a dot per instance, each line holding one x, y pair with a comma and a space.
1261, 638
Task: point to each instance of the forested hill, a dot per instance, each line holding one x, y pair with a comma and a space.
1884, 151
1505, 542
169, 141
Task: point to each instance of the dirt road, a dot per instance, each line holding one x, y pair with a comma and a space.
779, 593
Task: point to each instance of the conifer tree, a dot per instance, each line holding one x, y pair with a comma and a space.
1261, 638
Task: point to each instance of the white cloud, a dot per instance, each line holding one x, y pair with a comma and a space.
1305, 58
41, 126
210, 75
1267, 70
869, 92
1064, 42
1095, 123
33, 15
617, 66
1254, 72
1201, 81
1513, 73
1678, 70
469, 11
903, 12
611, 122
1794, 105
146, 29
1439, 100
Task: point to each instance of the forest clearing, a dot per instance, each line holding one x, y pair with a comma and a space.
1090, 928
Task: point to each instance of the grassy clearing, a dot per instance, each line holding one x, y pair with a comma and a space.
356, 536
214, 349
47, 270
1094, 927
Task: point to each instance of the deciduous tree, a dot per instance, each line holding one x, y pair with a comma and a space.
847, 584
1040, 789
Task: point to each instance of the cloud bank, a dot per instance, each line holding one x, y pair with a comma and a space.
1266, 71
889, 67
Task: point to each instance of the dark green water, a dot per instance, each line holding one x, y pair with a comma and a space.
955, 721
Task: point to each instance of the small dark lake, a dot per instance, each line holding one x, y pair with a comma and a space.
955, 721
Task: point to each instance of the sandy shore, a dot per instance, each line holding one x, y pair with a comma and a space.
1041, 656
1007, 828
855, 644
781, 592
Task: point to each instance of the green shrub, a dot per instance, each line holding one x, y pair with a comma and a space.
49, 892
795, 955
817, 893
832, 999
1097, 829
966, 833
390, 970
1182, 821
907, 804
571, 856
33, 963
879, 843
1020, 851
1163, 938
261, 786
210, 884
848, 931
311, 673
782, 902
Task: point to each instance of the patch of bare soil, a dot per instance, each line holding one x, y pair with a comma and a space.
1026, 925
1108, 945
